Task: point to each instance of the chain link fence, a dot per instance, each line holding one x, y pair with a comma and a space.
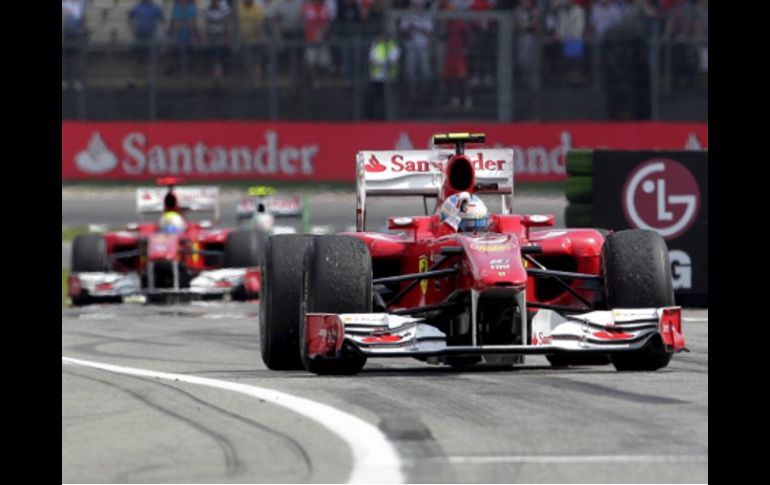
449, 65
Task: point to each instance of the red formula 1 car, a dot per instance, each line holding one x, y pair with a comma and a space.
156, 262
460, 297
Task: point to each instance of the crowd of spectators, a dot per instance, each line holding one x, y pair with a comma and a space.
553, 39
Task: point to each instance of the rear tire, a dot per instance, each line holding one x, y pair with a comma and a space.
243, 249
279, 306
637, 274
337, 279
89, 254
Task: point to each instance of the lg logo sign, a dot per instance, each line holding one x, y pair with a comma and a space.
681, 269
663, 196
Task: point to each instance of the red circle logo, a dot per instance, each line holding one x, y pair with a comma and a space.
661, 195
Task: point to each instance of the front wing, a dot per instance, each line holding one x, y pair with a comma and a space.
214, 283
385, 335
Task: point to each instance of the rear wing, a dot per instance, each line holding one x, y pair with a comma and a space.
279, 206
421, 172
149, 200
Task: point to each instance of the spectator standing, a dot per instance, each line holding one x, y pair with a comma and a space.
483, 44
458, 37
678, 36
73, 21
526, 20
218, 16
251, 24
625, 67
604, 15
372, 13
384, 56
346, 29
184, 30
145, 20
552, 56
284, 18
317, 17
417, 28
702, 34
639, 16
570, 29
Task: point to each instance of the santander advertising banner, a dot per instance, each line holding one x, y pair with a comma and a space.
234, 150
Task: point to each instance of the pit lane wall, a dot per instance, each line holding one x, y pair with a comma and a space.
220, 151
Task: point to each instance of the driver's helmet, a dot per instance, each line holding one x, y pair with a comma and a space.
171, 223
465, 212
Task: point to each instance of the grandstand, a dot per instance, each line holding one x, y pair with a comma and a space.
114, 82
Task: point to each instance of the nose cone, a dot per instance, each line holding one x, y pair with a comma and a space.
163, 247
495, 260
503, 272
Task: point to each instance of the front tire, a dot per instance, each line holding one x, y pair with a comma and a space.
243, 249
279, 305
637, 274
337, 279
89, 254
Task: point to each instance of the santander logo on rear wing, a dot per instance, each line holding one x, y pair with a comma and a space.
421, 172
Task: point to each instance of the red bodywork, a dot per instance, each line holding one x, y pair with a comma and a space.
491, 259
144, 244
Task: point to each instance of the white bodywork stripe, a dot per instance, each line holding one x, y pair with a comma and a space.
375, 460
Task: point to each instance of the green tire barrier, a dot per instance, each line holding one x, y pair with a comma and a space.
580, 188
580, 162
579, 215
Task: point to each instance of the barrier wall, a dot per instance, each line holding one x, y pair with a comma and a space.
218, 151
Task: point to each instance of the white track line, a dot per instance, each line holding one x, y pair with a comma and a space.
695, 319
375, 460
577, 459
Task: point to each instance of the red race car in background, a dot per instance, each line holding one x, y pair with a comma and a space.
461, 297
185, 259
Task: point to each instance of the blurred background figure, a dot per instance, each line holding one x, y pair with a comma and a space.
287, 27
417, 28
679, 36
625, 62
218, 18
184, 32
570, 28
483, 41
251, 28
145, 21
702, 34
604, 15
384, 56
346, 29
457, 48
526, 22
73, 31
317, 17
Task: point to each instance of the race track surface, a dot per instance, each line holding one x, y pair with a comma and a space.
531, 423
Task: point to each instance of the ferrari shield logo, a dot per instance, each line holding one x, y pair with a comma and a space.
423, 267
